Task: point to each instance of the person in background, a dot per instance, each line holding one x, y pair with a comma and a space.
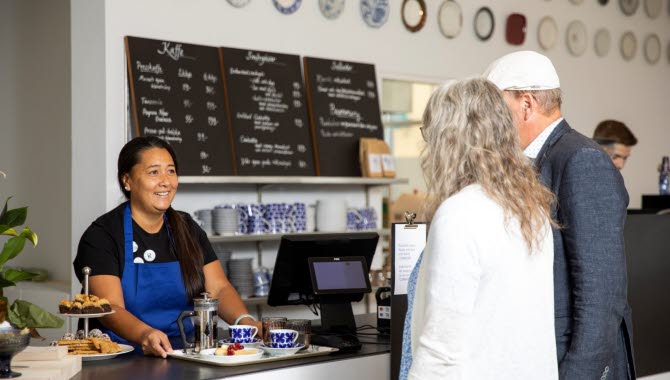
149, 260
616, 140
483, 301
593, 319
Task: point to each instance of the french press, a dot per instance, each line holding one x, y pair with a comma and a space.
205, 310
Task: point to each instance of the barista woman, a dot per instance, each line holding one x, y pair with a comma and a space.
149, 260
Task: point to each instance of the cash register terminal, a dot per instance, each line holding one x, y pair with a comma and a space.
330, 271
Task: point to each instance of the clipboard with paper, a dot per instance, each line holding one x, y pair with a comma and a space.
408, 241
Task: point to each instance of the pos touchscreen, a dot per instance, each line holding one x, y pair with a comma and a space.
336, 275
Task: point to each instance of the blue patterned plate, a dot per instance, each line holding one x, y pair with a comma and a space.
375, 12
287, 6
331, 9
282, 351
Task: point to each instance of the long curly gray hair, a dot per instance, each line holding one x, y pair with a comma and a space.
471, 138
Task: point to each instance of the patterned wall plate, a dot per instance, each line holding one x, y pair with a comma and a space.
652, 49
576, 38
547, 33
413, 14
628, 46
287, 7
238, 3
602, 42
629, 7
375, 12
653, 8
450, 18
484, 23
331, 9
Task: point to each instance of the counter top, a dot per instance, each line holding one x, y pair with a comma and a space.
137, 366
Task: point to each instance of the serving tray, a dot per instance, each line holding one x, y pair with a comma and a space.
310, 351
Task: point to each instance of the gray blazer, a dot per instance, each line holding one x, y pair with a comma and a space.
593, 321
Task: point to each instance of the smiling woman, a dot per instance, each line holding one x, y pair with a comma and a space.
149, 260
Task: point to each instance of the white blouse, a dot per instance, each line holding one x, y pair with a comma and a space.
484, 306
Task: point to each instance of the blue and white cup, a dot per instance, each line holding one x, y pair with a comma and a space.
242, 333
274, 216
255, 221
297, 217
283, 338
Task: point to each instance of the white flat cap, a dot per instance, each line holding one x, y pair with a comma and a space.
523, 70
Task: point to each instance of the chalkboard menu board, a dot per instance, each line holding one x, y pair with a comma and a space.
344, 106
177, 94
268, 113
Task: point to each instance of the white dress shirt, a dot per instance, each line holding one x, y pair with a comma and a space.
484, 306
534, 148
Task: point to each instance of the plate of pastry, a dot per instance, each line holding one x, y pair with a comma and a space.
85, 306
253, 344
232, 354
97, 346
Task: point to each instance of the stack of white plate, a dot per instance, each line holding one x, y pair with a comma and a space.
223, 254
241, 276
224, 220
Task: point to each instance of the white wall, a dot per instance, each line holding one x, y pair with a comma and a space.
35, 133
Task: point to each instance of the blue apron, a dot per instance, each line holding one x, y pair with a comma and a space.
154, 293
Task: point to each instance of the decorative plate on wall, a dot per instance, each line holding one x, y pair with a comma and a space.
484, 23
375, 12
602, 42
515, 29
628, 46
450, 18
331, 9
629, 7
547, 33
287, 7
238, 3
653, 8
413, 14
652, 49
576, 38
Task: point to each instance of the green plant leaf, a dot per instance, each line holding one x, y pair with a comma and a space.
5, 283
12, 248
30, 235
4, 209
14, 217
17, 275
7, 230
25, 314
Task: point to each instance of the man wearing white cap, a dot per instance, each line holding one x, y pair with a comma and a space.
592, 317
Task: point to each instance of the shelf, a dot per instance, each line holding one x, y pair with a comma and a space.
253, 301
291, 180
277, 237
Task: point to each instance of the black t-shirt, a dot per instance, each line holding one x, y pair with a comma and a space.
102, 247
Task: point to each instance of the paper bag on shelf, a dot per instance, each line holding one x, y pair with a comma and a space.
370, 158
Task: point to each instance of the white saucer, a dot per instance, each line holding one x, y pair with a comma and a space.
209, 353
254, 344
282, 351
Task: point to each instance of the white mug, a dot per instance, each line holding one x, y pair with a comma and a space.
331, 215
